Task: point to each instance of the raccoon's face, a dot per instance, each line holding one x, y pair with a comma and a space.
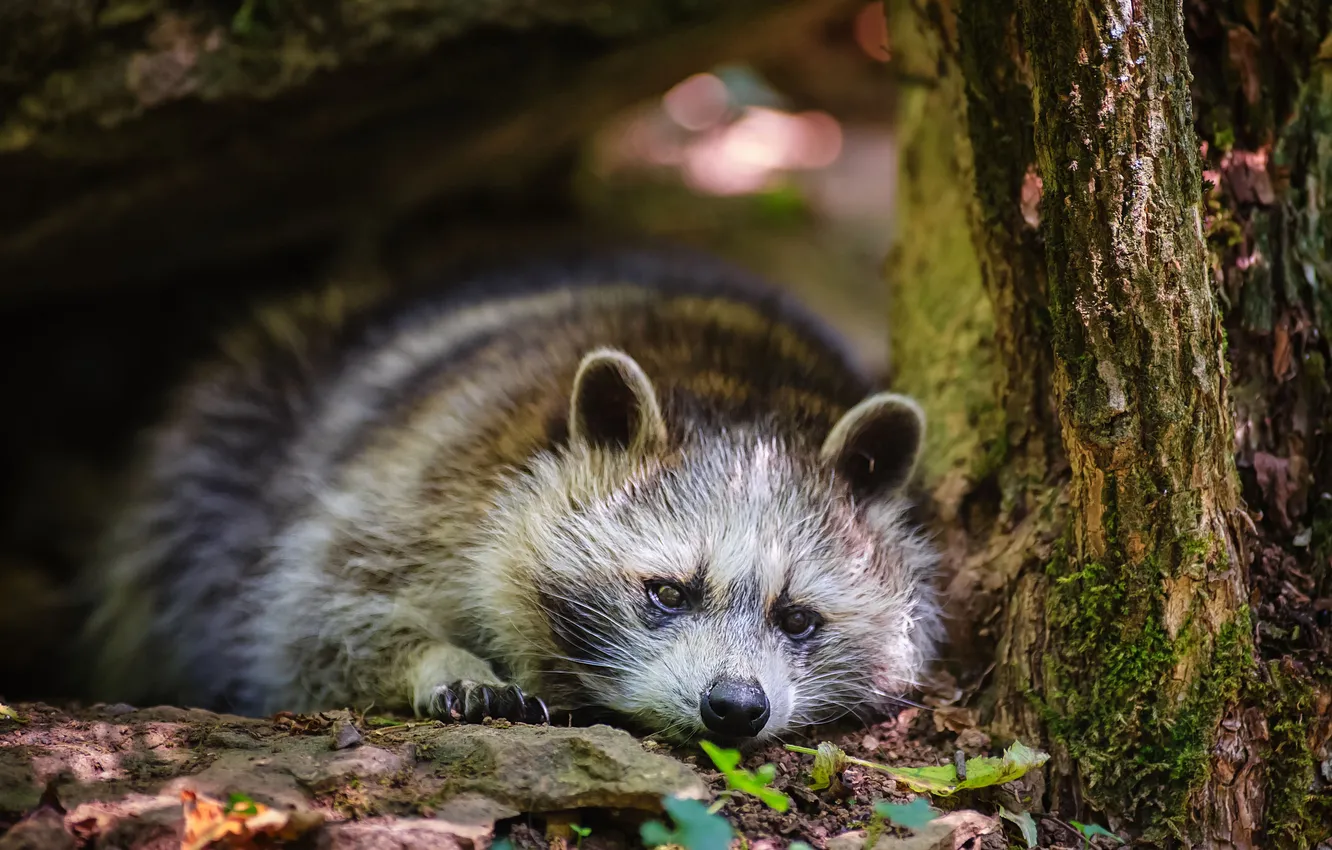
733, 588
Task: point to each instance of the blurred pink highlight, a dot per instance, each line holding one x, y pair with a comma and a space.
743, 156
717, 147
698, 102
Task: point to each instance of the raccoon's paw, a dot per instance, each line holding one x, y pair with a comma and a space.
469, 702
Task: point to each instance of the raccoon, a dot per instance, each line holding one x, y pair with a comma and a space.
639, 484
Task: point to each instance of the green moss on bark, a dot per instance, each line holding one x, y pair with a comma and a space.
1298, 815
1145, 756
1008, 244
942, 321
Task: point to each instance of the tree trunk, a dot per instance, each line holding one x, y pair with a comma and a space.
1148, 628
986, 463
1129, 649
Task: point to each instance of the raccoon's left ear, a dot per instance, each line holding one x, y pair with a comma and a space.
875, 445
614, 404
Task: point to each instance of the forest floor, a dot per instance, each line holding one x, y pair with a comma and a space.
111, 776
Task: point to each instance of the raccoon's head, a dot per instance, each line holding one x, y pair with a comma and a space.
729, 585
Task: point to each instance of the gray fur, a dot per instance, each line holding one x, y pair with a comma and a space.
330, 518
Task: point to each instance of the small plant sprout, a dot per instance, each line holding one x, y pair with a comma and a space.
696, 827
1088, 831
1025, 823
941, 781
743, 781
910, 816
580, 831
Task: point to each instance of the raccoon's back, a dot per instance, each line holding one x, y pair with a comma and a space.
314, 387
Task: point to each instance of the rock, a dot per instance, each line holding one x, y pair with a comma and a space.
552, 768
44, 830
953, 831
345, 734
423, 784
473, 809
853, 840
399, 834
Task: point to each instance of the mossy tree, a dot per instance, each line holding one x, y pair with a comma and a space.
1054, 155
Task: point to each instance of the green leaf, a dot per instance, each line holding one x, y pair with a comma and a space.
1025, 823
243, 21
241, 804
739, 779
725, 760
580, 831
828, 762
655, 834
941, 781
7, 713
695, 827
1092, 830
910, 816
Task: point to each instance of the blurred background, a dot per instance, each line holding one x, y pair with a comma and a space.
163, 165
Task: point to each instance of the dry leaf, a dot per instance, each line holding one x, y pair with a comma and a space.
1031, 197
1243, 49
1274, 480
302, 724
1246, 176
236, 824
954, 719
1283, 358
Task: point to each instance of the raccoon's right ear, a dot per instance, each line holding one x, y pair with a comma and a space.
876, 444
614, 404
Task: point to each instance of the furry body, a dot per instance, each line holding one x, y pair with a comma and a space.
365, 499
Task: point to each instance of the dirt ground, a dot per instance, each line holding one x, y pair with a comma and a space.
110, 777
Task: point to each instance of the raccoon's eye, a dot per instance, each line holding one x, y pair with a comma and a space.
668, 596
799, 623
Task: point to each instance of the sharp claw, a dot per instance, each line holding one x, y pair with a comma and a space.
463, 702
456, 704
491, 701
475, 706
537, 712
515, 708
443, 703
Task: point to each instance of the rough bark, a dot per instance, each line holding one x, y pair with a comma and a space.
1027, 462
1130, 648
941, 319
1149, 627
970, 333
940, 316
1263, 94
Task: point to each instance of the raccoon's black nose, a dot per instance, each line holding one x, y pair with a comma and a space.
735, 709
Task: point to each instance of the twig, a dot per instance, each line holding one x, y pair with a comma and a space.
1086, 842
